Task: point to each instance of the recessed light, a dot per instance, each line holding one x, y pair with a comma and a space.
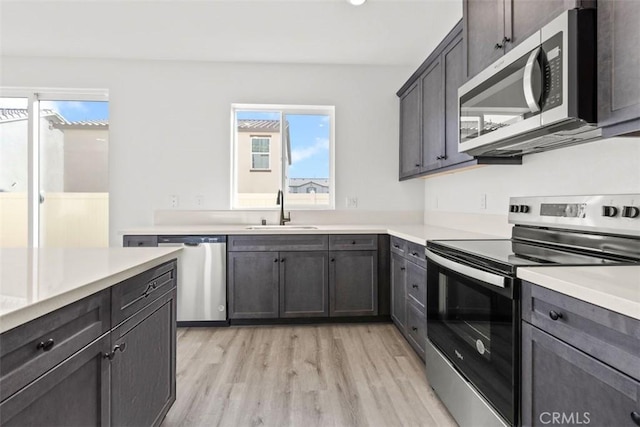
357, 2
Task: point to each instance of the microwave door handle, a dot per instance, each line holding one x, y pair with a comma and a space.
527, 81
483, 276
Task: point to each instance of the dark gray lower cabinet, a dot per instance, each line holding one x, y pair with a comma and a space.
143, 380
74, 393
304, 284
398, 287
353, 283
253, 281
563, 385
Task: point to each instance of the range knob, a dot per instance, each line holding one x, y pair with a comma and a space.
610, 211
514, 208
630, 211
524, 208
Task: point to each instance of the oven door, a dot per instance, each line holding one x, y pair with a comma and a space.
472, 318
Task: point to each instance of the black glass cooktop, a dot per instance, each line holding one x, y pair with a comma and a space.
507, 255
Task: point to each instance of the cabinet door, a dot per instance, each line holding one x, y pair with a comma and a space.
432, 117
143, 374
398, 291
353, 283
483, 28
304, 284
619, 62
453, 61
74, 393
559, 380
525, 17
410, 132
253, 284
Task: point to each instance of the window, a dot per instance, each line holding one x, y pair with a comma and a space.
54, 168
282, 147
260, 153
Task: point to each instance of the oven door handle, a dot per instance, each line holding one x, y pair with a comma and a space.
484, 276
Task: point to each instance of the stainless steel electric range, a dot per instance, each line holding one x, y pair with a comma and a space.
473, 294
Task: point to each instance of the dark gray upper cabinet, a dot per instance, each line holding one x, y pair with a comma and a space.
494, 27
432, 116
253, 283
558, 378
143, 380
353, 283
410, 131
74, 393
304, 284
619, 66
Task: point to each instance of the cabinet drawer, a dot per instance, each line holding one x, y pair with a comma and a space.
132, 295
415, 253
140, 241
353, 242
398, 246
30, 350
417, 285
302, 242
416, 328
608, 336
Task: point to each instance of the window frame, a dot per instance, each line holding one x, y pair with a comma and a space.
252, 153
282, 110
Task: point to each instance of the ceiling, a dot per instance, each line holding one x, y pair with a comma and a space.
380, 32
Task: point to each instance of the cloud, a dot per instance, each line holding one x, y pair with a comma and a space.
299, 154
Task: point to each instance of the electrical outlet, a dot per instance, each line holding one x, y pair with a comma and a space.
352, 202
173, 201
199, 200
483, 201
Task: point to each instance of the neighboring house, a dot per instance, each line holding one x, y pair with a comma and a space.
73, 157
259, 156
308, 185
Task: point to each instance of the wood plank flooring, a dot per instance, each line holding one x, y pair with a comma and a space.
308, 375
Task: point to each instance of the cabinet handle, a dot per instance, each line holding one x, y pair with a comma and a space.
413, 328
635, 416
402, 268
118, 347
414, 286
414, 253
282, 260
353, 243
418, 165
443, 157
275, 260
396, 246
46, 345
554, 315
333, 260
502, 44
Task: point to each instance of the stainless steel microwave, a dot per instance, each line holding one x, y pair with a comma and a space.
538, 96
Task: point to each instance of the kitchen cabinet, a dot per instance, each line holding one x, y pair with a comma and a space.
253, 283
353, 283
618, 67
494, 27
143, 373
304, 284
429, 114
409, 292
578, 360
108, 359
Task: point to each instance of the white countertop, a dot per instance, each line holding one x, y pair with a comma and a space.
37, 281
616, 288
416, 233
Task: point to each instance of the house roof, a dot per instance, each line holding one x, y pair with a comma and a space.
15, 114
299, 182
258, 125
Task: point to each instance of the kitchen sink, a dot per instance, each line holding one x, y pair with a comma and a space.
282, 227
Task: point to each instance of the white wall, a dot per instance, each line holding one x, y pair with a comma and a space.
170, 126
602, 167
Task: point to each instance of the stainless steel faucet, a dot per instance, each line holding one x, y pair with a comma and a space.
280, 201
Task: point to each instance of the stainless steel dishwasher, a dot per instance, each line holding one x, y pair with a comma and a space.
202, 284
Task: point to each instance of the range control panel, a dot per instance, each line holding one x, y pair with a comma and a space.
618, 213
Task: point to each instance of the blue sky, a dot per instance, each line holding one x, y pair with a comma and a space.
75, 111
309, 142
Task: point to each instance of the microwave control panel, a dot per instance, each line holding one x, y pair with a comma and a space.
552, 71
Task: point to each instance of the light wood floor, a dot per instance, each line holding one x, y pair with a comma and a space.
328, 375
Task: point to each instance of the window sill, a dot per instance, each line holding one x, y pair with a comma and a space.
259, 170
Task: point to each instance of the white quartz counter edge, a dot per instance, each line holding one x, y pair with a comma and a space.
416, 233
34, 310
616, 288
